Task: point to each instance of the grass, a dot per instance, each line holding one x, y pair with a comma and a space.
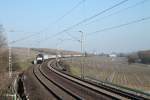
24, 65
23, 58
116, 71
75, 71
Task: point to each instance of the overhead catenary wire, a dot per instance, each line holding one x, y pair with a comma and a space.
83, 21
23, 38
120, 11
119, 26
73, 37
70, 11
129, 7
87, 19
67, 29
65, 14
57, 20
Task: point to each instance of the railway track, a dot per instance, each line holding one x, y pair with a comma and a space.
108, 87
66, 87
58, 92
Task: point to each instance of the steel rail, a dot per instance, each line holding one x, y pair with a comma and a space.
86, 84
48, 89
60, 86
59, 92
116, 92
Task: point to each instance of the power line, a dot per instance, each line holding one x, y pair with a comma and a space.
67, 13
59, 19
23, 38
121, 25
73, 37
83, 21
120, 11
70, 11
87, 19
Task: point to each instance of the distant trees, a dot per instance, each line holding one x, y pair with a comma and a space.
3, 42
144, 56
3, 50
133, 58
139, 57
4, 53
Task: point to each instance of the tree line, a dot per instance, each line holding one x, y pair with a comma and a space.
140, 57
3, 50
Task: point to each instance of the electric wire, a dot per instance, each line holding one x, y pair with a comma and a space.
70, 11
83, 21
87, 19
59, 19
120, 11
73, 37
119, 26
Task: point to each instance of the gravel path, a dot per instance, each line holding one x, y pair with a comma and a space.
34, 90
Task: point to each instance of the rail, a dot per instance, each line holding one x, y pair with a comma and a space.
107, 89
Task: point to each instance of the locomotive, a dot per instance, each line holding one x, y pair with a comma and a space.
39, 58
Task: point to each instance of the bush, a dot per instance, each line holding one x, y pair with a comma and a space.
145, 60
144, 56
133, 58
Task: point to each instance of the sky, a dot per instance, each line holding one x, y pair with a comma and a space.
43, 19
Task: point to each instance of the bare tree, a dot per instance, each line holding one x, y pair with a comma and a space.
4, 81
3, 50
3, 42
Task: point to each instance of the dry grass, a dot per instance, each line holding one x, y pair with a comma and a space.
5, 81
116, 70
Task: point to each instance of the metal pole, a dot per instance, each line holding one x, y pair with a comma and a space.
57, 46
28, 52
10, 63
57, 55
1, 59
57, 52
82, 53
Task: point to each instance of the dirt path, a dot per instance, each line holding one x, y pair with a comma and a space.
34, 90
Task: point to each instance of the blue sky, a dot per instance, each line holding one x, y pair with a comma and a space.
27, 17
